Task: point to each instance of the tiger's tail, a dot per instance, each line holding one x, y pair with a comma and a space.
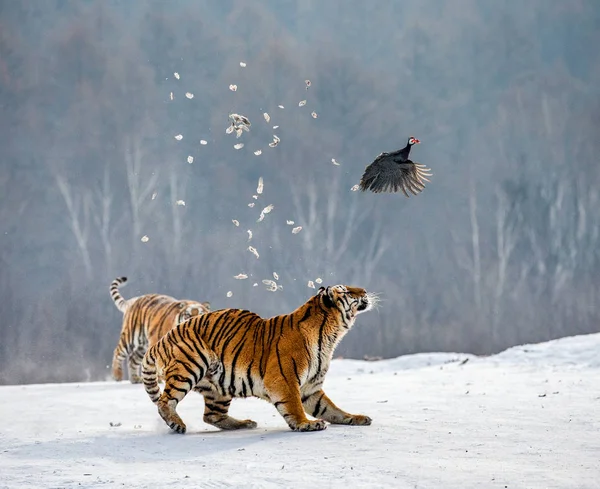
150, 374
116, 296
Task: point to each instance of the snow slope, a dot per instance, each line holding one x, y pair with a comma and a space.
526, 418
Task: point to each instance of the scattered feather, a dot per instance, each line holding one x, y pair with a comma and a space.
258, 152
275, 127
238, 145
254, 284
179, 137
334, 162
311, 284
265, 211
241, 276
281, 106
267, 117
302, 103
190, 159
255, 197
145, 239
171, 95
181, 202
275, 141
296, 230
233, 88
239, 119
203, 142
154, 195
275, 276
260, 187
176, 75
355, 188
239, 124
229, 294
318, 280
251, 204
252, 250
235, 222
271, 286
242, 64
189, 95
314, 115
249, 235
307, 83
290, 223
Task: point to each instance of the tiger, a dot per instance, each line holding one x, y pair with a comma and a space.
146, 319
232, 353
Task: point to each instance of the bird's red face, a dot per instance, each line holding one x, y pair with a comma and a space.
412, 140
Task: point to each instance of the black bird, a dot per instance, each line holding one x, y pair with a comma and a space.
393, 171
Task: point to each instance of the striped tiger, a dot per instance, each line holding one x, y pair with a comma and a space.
235, 353
146, 319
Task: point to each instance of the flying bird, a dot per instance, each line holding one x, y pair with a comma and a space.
393, 171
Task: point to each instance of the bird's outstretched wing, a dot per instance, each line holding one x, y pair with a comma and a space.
386, 175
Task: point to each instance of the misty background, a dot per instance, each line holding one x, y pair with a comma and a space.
501, 248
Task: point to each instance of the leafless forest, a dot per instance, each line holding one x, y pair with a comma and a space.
501, 248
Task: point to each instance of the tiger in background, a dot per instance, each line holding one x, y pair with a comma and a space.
235, 353
146, 319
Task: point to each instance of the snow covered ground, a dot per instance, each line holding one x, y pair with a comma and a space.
526, 418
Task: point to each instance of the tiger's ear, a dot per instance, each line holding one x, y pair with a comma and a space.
181, 305
327, 301
206, 305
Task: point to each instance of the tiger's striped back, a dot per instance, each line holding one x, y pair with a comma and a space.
283, 360
146, 319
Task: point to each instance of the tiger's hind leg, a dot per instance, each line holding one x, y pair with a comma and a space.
216, 408
134, 362
119, 356
181, 376
320, 406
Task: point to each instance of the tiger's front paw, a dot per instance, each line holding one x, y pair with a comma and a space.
135, 379
316, 425
248, 424
177, 427
358, 420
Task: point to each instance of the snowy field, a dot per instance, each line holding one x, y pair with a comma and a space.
526, 418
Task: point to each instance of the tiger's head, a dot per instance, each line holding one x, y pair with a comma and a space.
190, 309
347, 302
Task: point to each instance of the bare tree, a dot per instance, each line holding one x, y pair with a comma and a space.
78, 208
103, 217
506, 240
141, 182
328, 230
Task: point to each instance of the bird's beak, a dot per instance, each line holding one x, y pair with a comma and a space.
417, 141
